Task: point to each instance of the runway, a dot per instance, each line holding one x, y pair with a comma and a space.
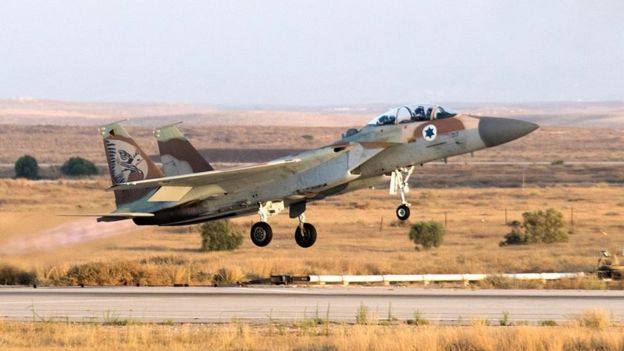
261, 304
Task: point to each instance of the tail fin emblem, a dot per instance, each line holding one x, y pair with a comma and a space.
126, 162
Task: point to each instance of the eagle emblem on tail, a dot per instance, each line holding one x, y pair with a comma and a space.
125, 160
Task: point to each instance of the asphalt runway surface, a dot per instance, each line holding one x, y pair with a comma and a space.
262, 304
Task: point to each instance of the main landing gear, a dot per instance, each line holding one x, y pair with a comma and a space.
305, 234
261, 232
399, 181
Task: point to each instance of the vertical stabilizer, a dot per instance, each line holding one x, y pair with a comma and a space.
177, 155
127, 162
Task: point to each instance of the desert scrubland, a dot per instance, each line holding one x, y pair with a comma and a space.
358, 233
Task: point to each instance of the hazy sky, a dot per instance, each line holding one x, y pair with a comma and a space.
312, 52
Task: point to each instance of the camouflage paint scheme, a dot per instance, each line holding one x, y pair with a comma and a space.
128, 162
177, 155
192, 192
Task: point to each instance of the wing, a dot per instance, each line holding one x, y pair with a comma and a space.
214, 177
198, 186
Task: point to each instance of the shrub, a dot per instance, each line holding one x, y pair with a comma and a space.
110, 273
504, 321
537, 227
78, 166
516, 236
27, 167
595, 319
93, 273
228, 275
220, 236
418, 319
361, 316
427, 234
547, 323
10, 275
166, 260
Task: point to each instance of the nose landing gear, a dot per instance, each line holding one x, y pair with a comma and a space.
403, 212
399, 181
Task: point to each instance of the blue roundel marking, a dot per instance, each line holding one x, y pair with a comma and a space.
430, 132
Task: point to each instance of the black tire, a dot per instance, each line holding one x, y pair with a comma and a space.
261, 234
308, 237
403, 212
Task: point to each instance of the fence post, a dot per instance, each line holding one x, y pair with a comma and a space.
572, 219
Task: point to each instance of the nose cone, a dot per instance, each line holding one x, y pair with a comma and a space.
495, 131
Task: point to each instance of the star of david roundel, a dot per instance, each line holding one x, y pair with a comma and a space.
430, 132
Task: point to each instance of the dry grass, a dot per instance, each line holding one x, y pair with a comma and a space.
349, 242
303, 336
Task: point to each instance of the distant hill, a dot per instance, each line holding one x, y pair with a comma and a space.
41, 112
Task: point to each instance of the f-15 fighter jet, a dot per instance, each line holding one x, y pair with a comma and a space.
385, 150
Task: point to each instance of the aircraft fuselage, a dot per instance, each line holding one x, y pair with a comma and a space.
363, 159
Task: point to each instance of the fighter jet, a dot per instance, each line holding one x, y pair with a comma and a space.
385, 150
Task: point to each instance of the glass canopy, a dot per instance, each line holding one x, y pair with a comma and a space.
408, 114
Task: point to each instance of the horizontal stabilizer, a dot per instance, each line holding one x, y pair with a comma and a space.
113, 216
170, 193
118, 216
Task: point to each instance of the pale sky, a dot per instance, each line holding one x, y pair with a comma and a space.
330, 52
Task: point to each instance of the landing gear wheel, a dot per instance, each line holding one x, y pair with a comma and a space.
261, 234
403, 212
308, 237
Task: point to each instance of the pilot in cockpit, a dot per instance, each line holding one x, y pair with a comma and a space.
419, 114
385, 120
404, 114
428, 114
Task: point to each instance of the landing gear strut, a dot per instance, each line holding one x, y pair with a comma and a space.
305, 234
399, 181
261, 232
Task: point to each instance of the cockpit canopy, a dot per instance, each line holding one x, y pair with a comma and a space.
408, 114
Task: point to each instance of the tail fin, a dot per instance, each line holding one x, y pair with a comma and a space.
127, 162
177, 155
